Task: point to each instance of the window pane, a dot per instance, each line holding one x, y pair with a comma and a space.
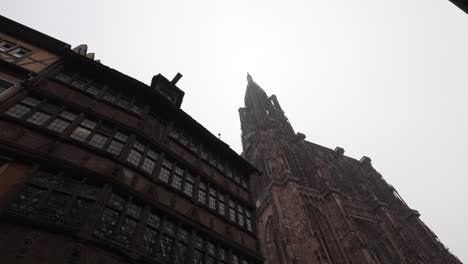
188, 188
133, 210
38, 118
212, 202
178, 171
137, 145
92, 89
164, 174
176, 181
183, 235
152, 155
19, 52
148, 165
80, 133
180, 253
79, 83
167, 164
201, 196
98, 140
58, 125
116, 201
5, 85
64, 77
5, 45
115, 147
221, 208
88, 123
120, 136
154, 221
109, 219
134, 157
68, 116
18, 111
31, 101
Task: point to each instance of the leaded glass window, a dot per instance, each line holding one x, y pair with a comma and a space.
188, 186
165, 172
58, 125
117, 143
240, 215
22, 108
212, 199
84, 129
202, 193
134, 157
98, 140
221, 204
18, 110
232, 210
248, 220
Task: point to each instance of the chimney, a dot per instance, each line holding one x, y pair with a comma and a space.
176, 78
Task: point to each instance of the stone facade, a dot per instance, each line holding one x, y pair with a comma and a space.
97, 167
316, 205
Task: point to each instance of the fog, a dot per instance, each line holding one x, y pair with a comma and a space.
385, 79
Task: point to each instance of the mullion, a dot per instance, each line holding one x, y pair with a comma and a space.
94, 131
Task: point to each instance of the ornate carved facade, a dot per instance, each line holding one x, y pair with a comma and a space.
316, 205
97, 167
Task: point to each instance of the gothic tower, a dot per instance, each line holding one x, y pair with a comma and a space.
316, 205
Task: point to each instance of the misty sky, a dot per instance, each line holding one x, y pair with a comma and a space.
385, 79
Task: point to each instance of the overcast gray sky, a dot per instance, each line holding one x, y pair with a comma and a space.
385, 79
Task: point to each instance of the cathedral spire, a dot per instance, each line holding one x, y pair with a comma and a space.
260, 110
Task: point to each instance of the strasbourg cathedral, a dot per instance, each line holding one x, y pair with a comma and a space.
99, 168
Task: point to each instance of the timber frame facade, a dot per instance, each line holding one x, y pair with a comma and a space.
97, 167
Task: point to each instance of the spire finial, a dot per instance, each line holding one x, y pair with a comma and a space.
249, 78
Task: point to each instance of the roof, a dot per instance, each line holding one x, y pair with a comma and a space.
44, 41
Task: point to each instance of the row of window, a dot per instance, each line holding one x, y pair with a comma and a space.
13, 49
140, 155
207, 194
88, 86
5, 85
208, 157
99, 91
67, 201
